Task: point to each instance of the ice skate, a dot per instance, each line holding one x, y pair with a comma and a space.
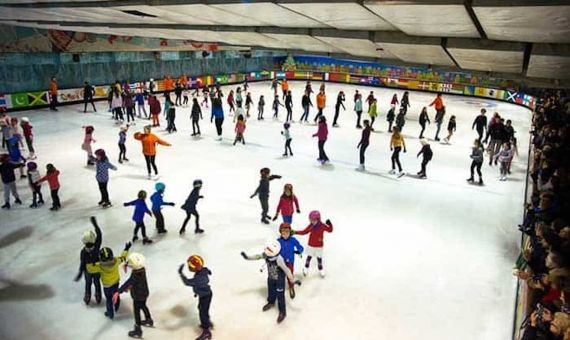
267, 307
360, 167
87, 298
18, 201
135, 237
292, 292
198, 230
106, 205
182, 231
263, 220
147, 323
423, 176
281, 317
480, 181
98, 298
6, 206
136, 333
470, 180
33, 205
401, 173
205, 335
146, 240
322, 273
392, 172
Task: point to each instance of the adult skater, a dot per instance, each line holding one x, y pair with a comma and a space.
88, 92
306, 104
427, 155
451, 127
369, 100
396, 144
339, 102
363, 144
372, 112
90, 254
284, 87
289, 106
9, 179
390, 116
477, 161
358, 108
190, 207
200, 284
321, 103
322, 135
149, 141
405, 102
196, 115
497, 134
53, 94
480, 123
260, 107
423, 119
440, 112
262, 192
401, 120
217, 116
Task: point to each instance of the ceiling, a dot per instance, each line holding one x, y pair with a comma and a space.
529, 38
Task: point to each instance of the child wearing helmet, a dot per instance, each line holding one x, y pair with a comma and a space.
289, 247
102, 166
287, 135
108, 267
138, 286
33, 178
138, 216
277, 270
90, 254
28, 136
263, 192
200, 284
157, 203
87, 140
190, 207
9, 179
287, 204
316, 230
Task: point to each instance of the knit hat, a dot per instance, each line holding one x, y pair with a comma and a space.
32, 166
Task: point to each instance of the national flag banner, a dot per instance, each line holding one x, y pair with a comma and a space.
5, 101
529, 101
510, 96
520, 98
469, 90
19, 100
38, 98
194, 82
445, 88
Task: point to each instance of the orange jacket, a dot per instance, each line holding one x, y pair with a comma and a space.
149, 142
168, 84
53, 88
284, 85
438, 103
321, 100
183, 80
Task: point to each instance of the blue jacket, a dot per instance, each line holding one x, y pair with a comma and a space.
157, 201
102, 170
140, 209
217, 111
200, 283
14, 150
288, 249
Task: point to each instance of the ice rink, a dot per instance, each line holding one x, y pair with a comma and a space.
408, 258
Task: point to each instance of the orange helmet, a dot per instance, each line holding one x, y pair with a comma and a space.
195, 263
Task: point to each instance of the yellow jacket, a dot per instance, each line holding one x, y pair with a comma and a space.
397, 141
109, 274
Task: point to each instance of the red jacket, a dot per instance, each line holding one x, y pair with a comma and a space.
316, 233
27, 130
286, 205
52, 179
154, 106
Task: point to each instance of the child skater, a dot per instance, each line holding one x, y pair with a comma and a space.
200, 284
9, 179
477, 156
90, 254
405, 102
52, 177
289, 247
288, 203
108, 267
286, 133
390, 116
102, 175
138, 286
139, 99
33, 178
263, 192
138, 216
276, 104
504, 156
394, 102
277, 270
427, 155
358, 109
170, 118
451, 127
129, 104
240, 129
248, 103
363, 144
28, 136
316, 230
157, 203
190, 207
423, 119
196, 116
239, 98
122, 141
231, 102
185, 94
154, 105
401, 119
322, 135
87, 140
205, 95
15, 153
372, 112
260, 106
396, 144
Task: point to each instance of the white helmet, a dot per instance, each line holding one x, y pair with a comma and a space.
25, 119
272, 248
136, 261
88, 237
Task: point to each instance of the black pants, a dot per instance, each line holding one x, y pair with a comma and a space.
37, 194
195, 127
362, 151
390, 125
30, 144
53, 102
130, 114
480, 133
189, 214
219, 122
92, 279
118, 113
150, 162
178, 100
104, 192
171, 125
289, 113
336, 113
319, 113
423, 125
438, 128
476, 165
55, 198
322, 154
372, 119
305, 115
139, 305
87, 101
260, 112
396, 158
122, 151
109, 291
142, 227
159, 220
288, 146
358, 116
185, 100
204, 311
264, 207
276, 291
424, 164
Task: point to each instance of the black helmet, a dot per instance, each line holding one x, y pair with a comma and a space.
197, 183
105, 254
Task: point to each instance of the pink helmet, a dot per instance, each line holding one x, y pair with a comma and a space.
315, 215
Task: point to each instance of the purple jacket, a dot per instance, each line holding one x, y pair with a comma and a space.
322, 132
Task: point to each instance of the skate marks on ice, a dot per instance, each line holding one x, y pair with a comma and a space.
15, 236
15, 291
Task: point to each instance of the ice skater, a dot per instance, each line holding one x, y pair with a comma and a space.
451, 127
196, 115
276, 104
33, 177
401, 120
284, 87
370, 99
122, 141
390, 116
358, 108
157, 203
504, 157
28, 136
185, 94
476, 161
9, 179
139, 100
87, 141
149, 142
440, 113
286, 133
117, 106
372, 112
339, 103
260, 107
427, 155
88, 93
480, 124
394, 102
129, 105
171, 119
363, 144
396, 144
239, 98
138, 216
240, 129
316, 230
289, 106
231, 102
217, 116
277, 271
16, 156
290, 247
288, 204
423, 119
90, 254
405, 102
200, 284
52, 177
262, 191
321, 104
322, 136
190, 207
248, 103
154, 107
102, 166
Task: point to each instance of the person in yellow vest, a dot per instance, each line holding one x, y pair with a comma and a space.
108, 267
321, 103
396, 145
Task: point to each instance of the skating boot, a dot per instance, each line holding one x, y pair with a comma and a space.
110, 316
23, 176
470, 180
182, 231
292, 292
148, 323
6, 206
135, 238
322, 273
136, 333
87, 298
98, 298
206, 335
392, 172
106, 204
480, 181
125, 159
263, 220
146, 240
305, 271
267, 307
198, 230
33, 205
423, 176
120, 161
281, 317
41, 202
100, 203
18, 201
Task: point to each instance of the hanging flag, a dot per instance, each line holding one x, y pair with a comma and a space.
19, 100
37, 98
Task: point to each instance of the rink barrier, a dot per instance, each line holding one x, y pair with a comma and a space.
40, 99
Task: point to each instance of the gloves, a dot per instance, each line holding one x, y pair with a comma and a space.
200, 196
252, 196
297, 252
128, 246
405, 150
77, 277
125, 205
292, 232
298, 282
328, 222
171, 204
180, 269
243, 254
115, 298
298, 211
274, 218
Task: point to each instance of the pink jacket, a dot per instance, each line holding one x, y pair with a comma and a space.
322, 132
286, 205
240, 127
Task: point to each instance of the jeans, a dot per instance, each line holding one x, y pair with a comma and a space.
305, 115
37, 194
30, 144
104, 192
476, 165
150, 162
276, 291
288, 146
53, 101
260, 112
480, 133
219, 122
130, 114
362, 150
122, 152
289, 113
319, 113
423, 125
139, 305
118, 113
322, 154
438, 128
287, 218
396, 158
204, 311
141, 226
109, 291
358, 116
140, 107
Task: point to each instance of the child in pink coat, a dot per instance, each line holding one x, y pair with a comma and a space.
322, 134
87, 140
240, 128
287, 204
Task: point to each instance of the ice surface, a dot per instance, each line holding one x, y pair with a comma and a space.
408, 258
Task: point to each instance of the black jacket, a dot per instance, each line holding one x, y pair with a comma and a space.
7, 171
263, 188
92, 255
88, 91
480, 122
196, 112
424, 118
200, 283
426, 152
306, 101
190, 204
137, 285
